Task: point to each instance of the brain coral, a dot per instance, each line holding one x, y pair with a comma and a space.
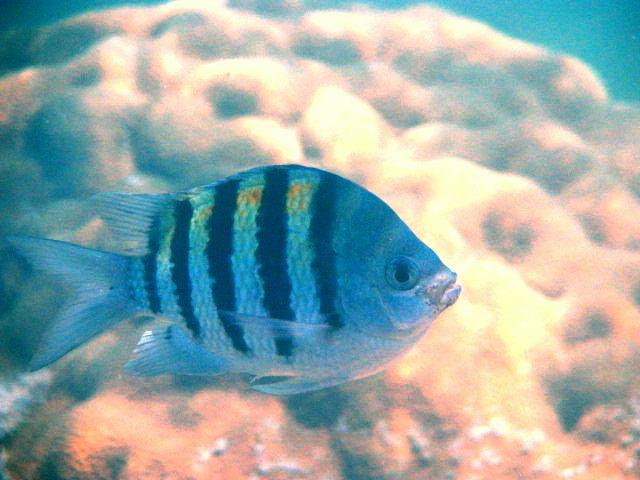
510, 160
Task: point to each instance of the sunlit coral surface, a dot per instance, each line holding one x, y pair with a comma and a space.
509, 160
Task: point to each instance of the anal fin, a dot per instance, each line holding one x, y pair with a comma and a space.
171, 351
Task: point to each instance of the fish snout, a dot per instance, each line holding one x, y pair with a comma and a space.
441, 289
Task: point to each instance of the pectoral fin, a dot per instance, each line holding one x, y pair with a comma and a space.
275, 327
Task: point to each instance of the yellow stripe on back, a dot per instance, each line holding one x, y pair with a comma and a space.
166, 288
248, 286
201, 298
304, 296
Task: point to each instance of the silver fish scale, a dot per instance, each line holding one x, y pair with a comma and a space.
304, 297
249, 290
346, 352
137, 283
166, 286
211, 331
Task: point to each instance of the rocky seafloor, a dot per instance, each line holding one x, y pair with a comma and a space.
509, 160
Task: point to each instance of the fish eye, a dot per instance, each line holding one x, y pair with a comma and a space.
402, 273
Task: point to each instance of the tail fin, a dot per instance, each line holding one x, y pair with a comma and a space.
101, 295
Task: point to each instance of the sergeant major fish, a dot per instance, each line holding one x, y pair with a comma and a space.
293, 274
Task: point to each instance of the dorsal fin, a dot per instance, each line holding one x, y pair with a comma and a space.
130, 217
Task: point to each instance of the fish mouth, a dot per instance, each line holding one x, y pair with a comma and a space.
442, 290
450, 296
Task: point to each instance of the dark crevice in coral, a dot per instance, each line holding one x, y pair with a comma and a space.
312, 152
634, 185
357, 466
181, 415
510, 239
142, 146
571, 406
79, 384
109, 463
398, 115
58, 137
592, 225
635, 294
317, 409
64, 42
206, 42
369, 402
52, 468
35, 449
338, 52
14, 54
558, 169
593, 326
232, 102
86, 77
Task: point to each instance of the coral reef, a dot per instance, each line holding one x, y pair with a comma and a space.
510, 160
17, 398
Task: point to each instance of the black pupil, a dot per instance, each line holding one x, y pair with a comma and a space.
401, 275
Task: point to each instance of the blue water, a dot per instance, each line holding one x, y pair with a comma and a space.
603, 33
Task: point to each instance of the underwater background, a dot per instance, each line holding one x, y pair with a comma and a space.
603, 33
517, 158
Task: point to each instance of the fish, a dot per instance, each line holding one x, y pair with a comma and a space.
292, 274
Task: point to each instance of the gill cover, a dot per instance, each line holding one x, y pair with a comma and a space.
383, 268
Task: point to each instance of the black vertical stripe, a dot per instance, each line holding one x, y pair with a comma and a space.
149, 261
219, 250
182, 213
321, 231
271, 252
